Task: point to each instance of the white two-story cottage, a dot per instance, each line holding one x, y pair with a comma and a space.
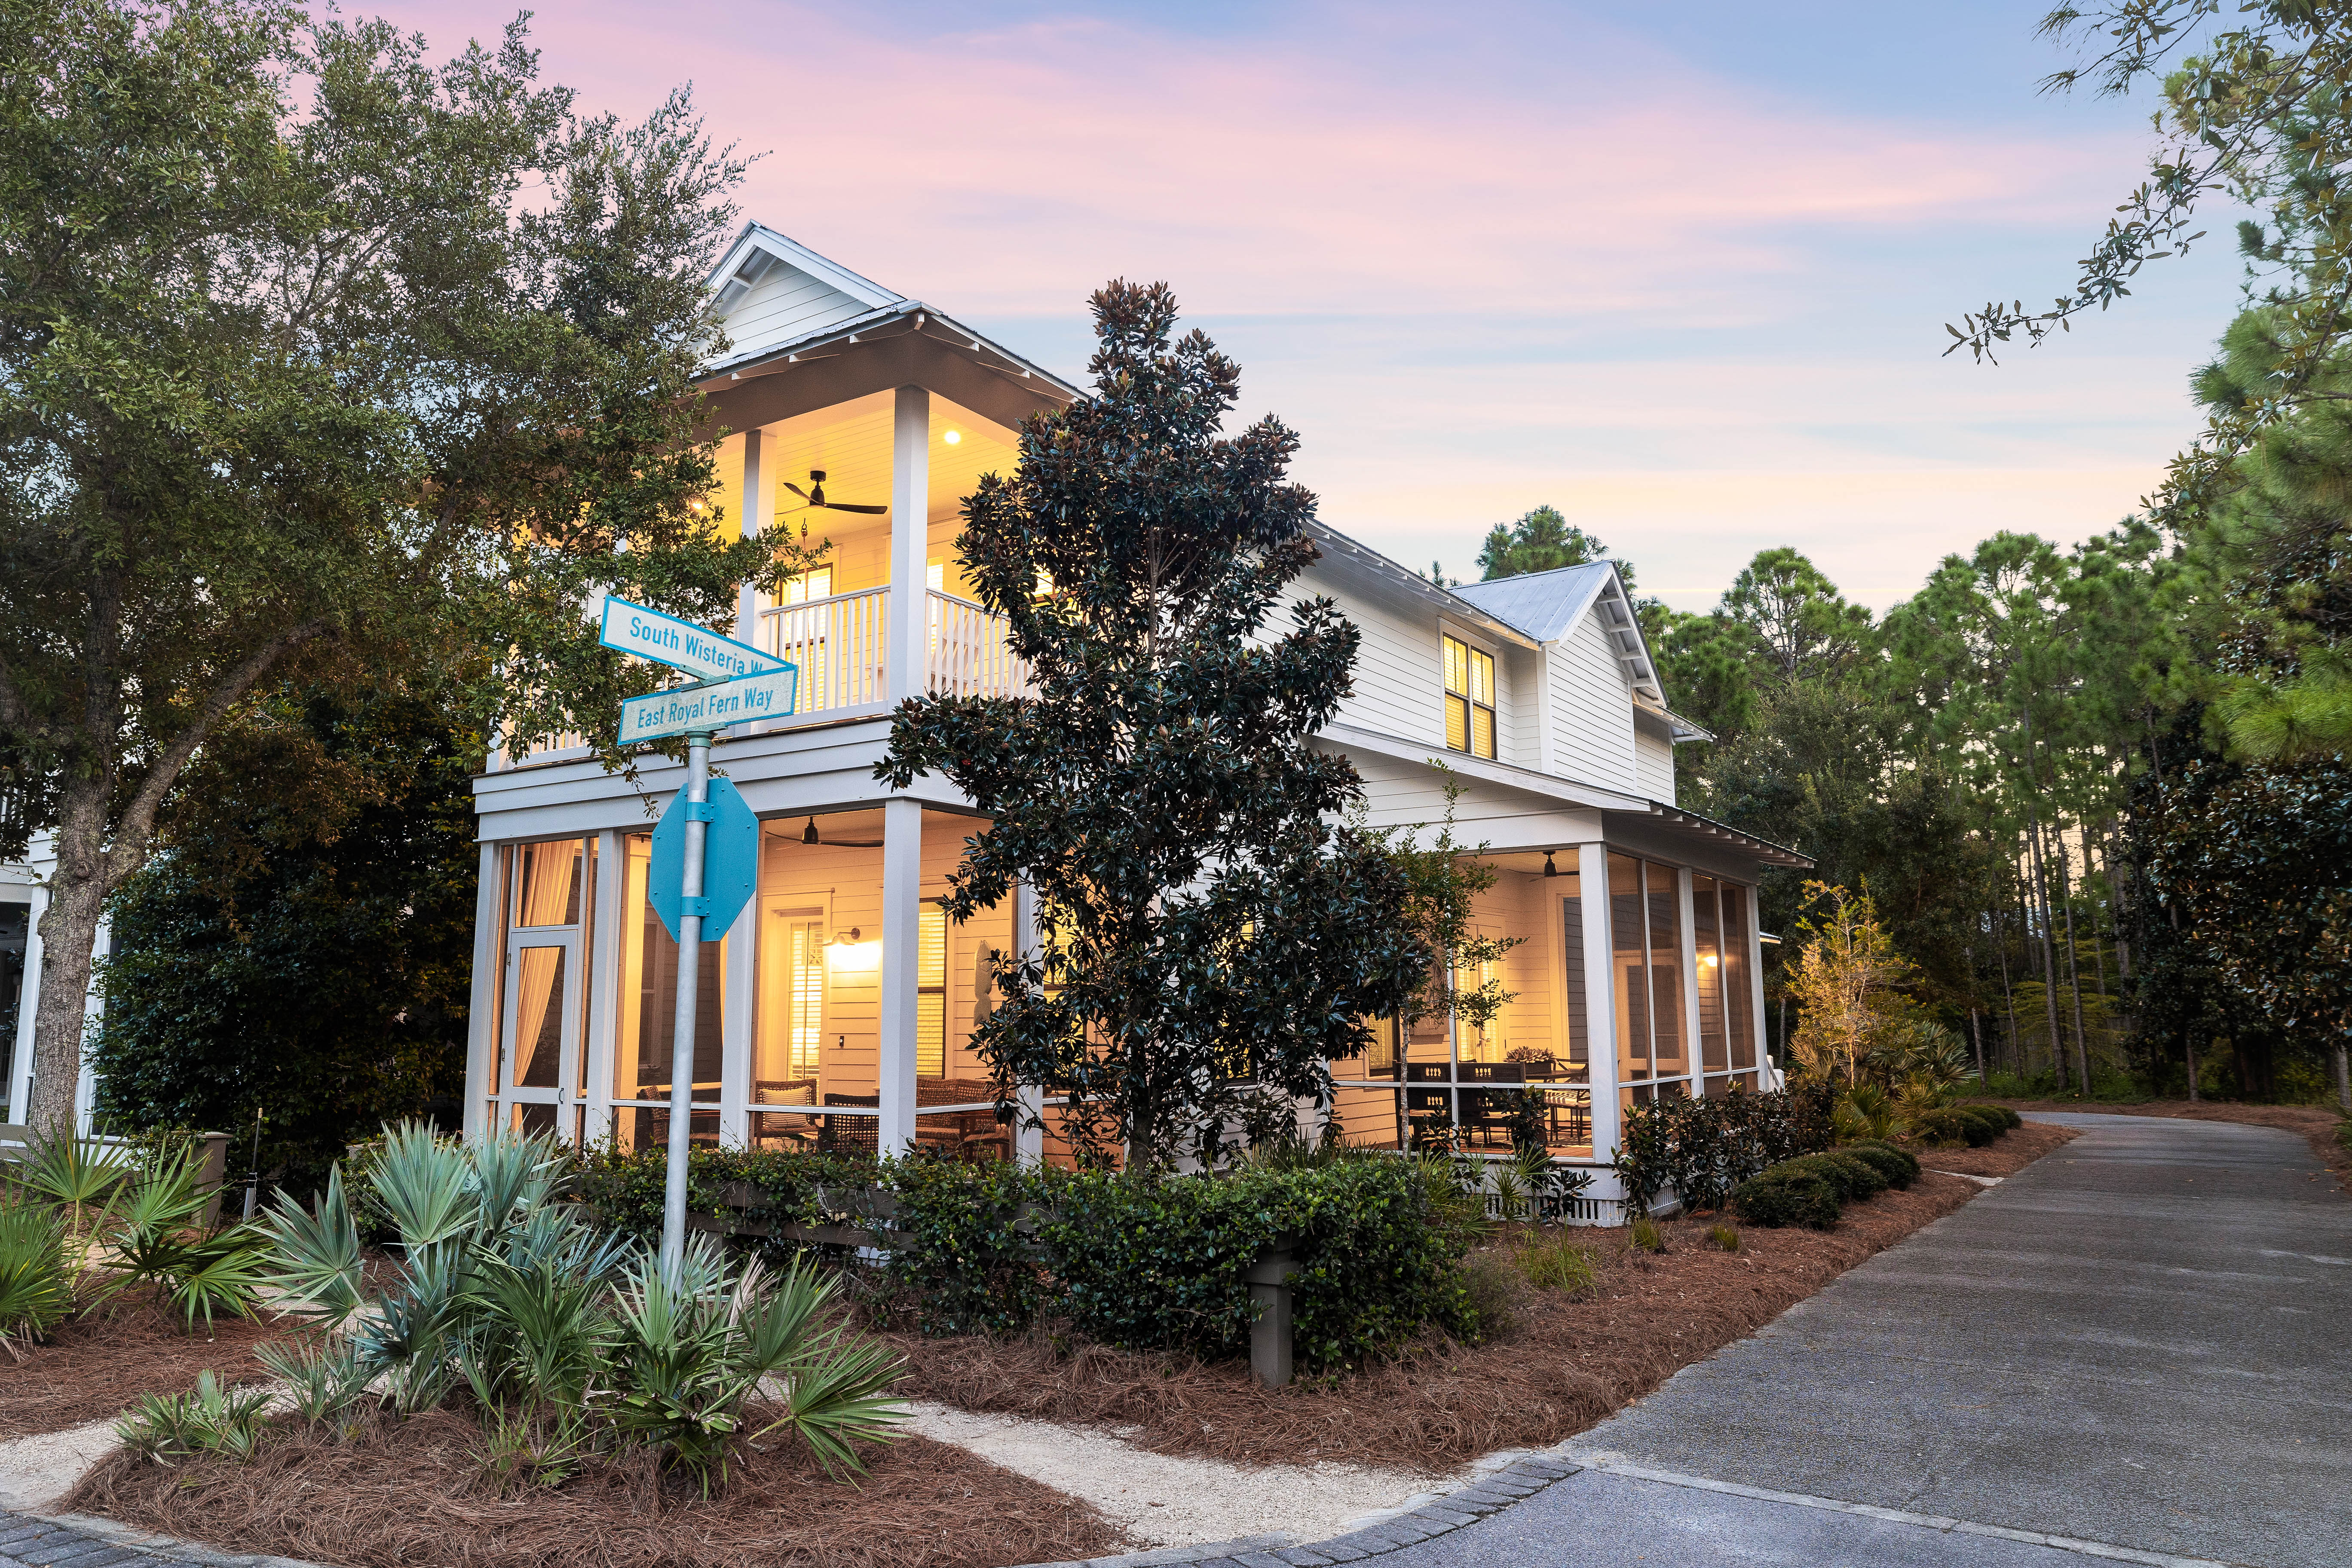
837, 1009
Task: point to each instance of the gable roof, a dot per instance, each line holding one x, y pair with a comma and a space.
779, 298
1547, 604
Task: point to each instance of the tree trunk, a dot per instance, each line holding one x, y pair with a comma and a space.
1976, 1033
68, 937
2008, 1002
2049, 944
2074, 962
2343, 1080
2189, 1040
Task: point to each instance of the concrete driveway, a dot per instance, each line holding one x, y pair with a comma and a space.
2139, 1343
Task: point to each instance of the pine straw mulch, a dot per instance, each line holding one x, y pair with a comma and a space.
2319, 1126
401, 1493
1562, 1367
93, 1367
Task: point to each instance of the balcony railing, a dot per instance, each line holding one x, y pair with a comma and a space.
970, 654
838, 643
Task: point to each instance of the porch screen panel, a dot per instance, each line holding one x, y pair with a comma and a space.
641, 1057
1629, 945
1571, 920
539, 1017
1706, 937
1672, 1058
1740, 1005
547, 884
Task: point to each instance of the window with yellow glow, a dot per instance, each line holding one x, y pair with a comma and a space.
931, 994
1469, 699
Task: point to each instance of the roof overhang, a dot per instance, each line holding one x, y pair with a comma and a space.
1370, 563
907, 344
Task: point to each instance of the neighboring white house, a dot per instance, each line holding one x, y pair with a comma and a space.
23, 899
840, 988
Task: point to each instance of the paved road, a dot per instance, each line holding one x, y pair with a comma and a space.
2141, 1339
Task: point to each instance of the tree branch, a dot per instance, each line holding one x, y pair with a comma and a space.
129, 850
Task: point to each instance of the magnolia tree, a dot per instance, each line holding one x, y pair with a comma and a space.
1210, 931
319, 362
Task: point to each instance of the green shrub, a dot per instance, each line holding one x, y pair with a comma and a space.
1899, 1166
1853, 1180
1148, 1263
36, 1280
1555, 1263
1784, 1197
1141, 1262
1699, 1148
1491, 1288
1946, 1129
1985, 1119
2009, 1118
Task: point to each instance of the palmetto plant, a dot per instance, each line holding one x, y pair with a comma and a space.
562, 1337
167, 1427
152, 1233
36, 1278
76, 1174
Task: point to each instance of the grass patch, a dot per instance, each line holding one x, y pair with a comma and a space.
1644, 1236
1726, 1238
1556, 1263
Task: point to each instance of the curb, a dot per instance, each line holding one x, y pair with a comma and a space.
81, 1541
1497, 1481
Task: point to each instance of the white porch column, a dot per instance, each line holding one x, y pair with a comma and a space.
1600, 994
1685, 892
757, 517
739, 983
603, 950
902, 900
910, 525
482, 1019
1028, 1142
1772, 1076
102, 943
28, 994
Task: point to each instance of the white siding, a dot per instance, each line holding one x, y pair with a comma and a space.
1593, 711
787, 303
1654, 765
1398, 676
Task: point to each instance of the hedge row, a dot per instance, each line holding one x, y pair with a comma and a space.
1812, 1189
1974, 1125
1140, 1262
1700, 1148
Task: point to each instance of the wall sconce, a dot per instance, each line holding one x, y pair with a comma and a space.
851, 951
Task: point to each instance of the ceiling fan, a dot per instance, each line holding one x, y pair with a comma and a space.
809, 835
814, 496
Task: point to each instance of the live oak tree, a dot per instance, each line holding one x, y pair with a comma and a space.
1210, 932
319, 362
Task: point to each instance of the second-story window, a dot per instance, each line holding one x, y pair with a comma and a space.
1469, 699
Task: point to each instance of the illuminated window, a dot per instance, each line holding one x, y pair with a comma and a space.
816, 584
1469, 699
931, 994
804, 992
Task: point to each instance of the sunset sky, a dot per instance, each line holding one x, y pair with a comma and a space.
1684, 276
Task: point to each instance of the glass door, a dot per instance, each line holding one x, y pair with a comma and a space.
541, 1026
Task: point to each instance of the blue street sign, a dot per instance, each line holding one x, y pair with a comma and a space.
664, 638
682, 709
730, 860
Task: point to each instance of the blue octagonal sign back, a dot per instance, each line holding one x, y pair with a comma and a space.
731, 861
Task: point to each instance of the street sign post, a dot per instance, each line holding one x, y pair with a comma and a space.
705, 849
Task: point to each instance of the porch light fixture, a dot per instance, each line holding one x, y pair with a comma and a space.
952, 437
848, 951
1549, 870
808, 833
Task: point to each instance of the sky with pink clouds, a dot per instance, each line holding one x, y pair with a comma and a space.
1681, 272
